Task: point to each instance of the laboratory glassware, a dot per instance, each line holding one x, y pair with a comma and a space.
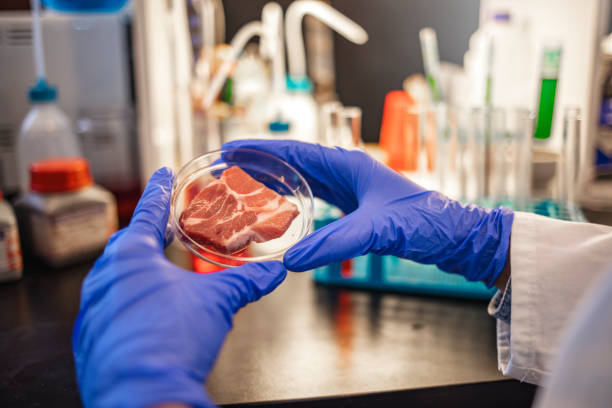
469, 154
341, 125
273, 172
329, 122
350, 127
478, 125
510, 157
551, 60
569, 175
445, 148
431, 62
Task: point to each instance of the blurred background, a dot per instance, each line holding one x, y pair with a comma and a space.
366, 72
510, 104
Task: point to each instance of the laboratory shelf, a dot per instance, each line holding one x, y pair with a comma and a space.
390, 273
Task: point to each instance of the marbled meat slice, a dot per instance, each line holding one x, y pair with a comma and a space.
235, 210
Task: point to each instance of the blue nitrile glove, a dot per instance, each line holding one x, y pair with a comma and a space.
388, 214
148, 331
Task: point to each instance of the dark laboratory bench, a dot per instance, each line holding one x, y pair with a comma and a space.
302, 346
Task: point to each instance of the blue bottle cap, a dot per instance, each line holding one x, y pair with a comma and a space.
278, 126
42, 92
299, 84
85, 6
501, 16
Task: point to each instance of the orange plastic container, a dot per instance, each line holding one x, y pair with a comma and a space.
399, 131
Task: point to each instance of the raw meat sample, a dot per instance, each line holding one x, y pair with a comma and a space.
234, 210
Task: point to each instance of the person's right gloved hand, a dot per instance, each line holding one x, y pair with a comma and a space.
388, 214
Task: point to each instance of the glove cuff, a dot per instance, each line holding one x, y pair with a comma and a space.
480, 246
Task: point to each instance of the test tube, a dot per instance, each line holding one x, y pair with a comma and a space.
522, 125
510, 157
463, 159
478, 134
571, 157
445, 147
413, 139
551, 59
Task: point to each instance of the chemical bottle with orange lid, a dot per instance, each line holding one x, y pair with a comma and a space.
64, 218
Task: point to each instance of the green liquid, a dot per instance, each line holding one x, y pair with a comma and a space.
434, 89
546, 109
488, 92
227, 94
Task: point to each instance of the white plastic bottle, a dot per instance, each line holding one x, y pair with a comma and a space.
500, 62
301, 110
45, 132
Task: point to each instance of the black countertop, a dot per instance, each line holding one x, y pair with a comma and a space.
308, 344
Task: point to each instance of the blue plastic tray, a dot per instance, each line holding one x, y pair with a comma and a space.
391, 273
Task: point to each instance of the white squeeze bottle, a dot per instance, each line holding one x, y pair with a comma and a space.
45, 132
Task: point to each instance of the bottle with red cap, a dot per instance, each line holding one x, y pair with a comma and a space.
65, 218
11, 264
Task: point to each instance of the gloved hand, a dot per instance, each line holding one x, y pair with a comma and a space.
388, 214
148, 331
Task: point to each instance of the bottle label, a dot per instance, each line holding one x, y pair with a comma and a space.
72, 233
10, 250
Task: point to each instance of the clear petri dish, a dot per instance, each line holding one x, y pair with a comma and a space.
269, 170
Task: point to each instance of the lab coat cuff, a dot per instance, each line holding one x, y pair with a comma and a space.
500, 304
516, 348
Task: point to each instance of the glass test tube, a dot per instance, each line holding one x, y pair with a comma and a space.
510, 157
444, 163
551, 59
464, 157
569, 176
478, 134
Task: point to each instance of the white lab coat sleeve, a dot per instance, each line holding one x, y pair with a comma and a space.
553, 263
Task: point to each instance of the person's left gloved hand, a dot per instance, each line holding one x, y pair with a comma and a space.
148, 332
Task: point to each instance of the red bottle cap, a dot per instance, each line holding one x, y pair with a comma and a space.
60, 175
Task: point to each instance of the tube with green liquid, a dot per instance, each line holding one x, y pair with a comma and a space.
551, 60
431, 62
